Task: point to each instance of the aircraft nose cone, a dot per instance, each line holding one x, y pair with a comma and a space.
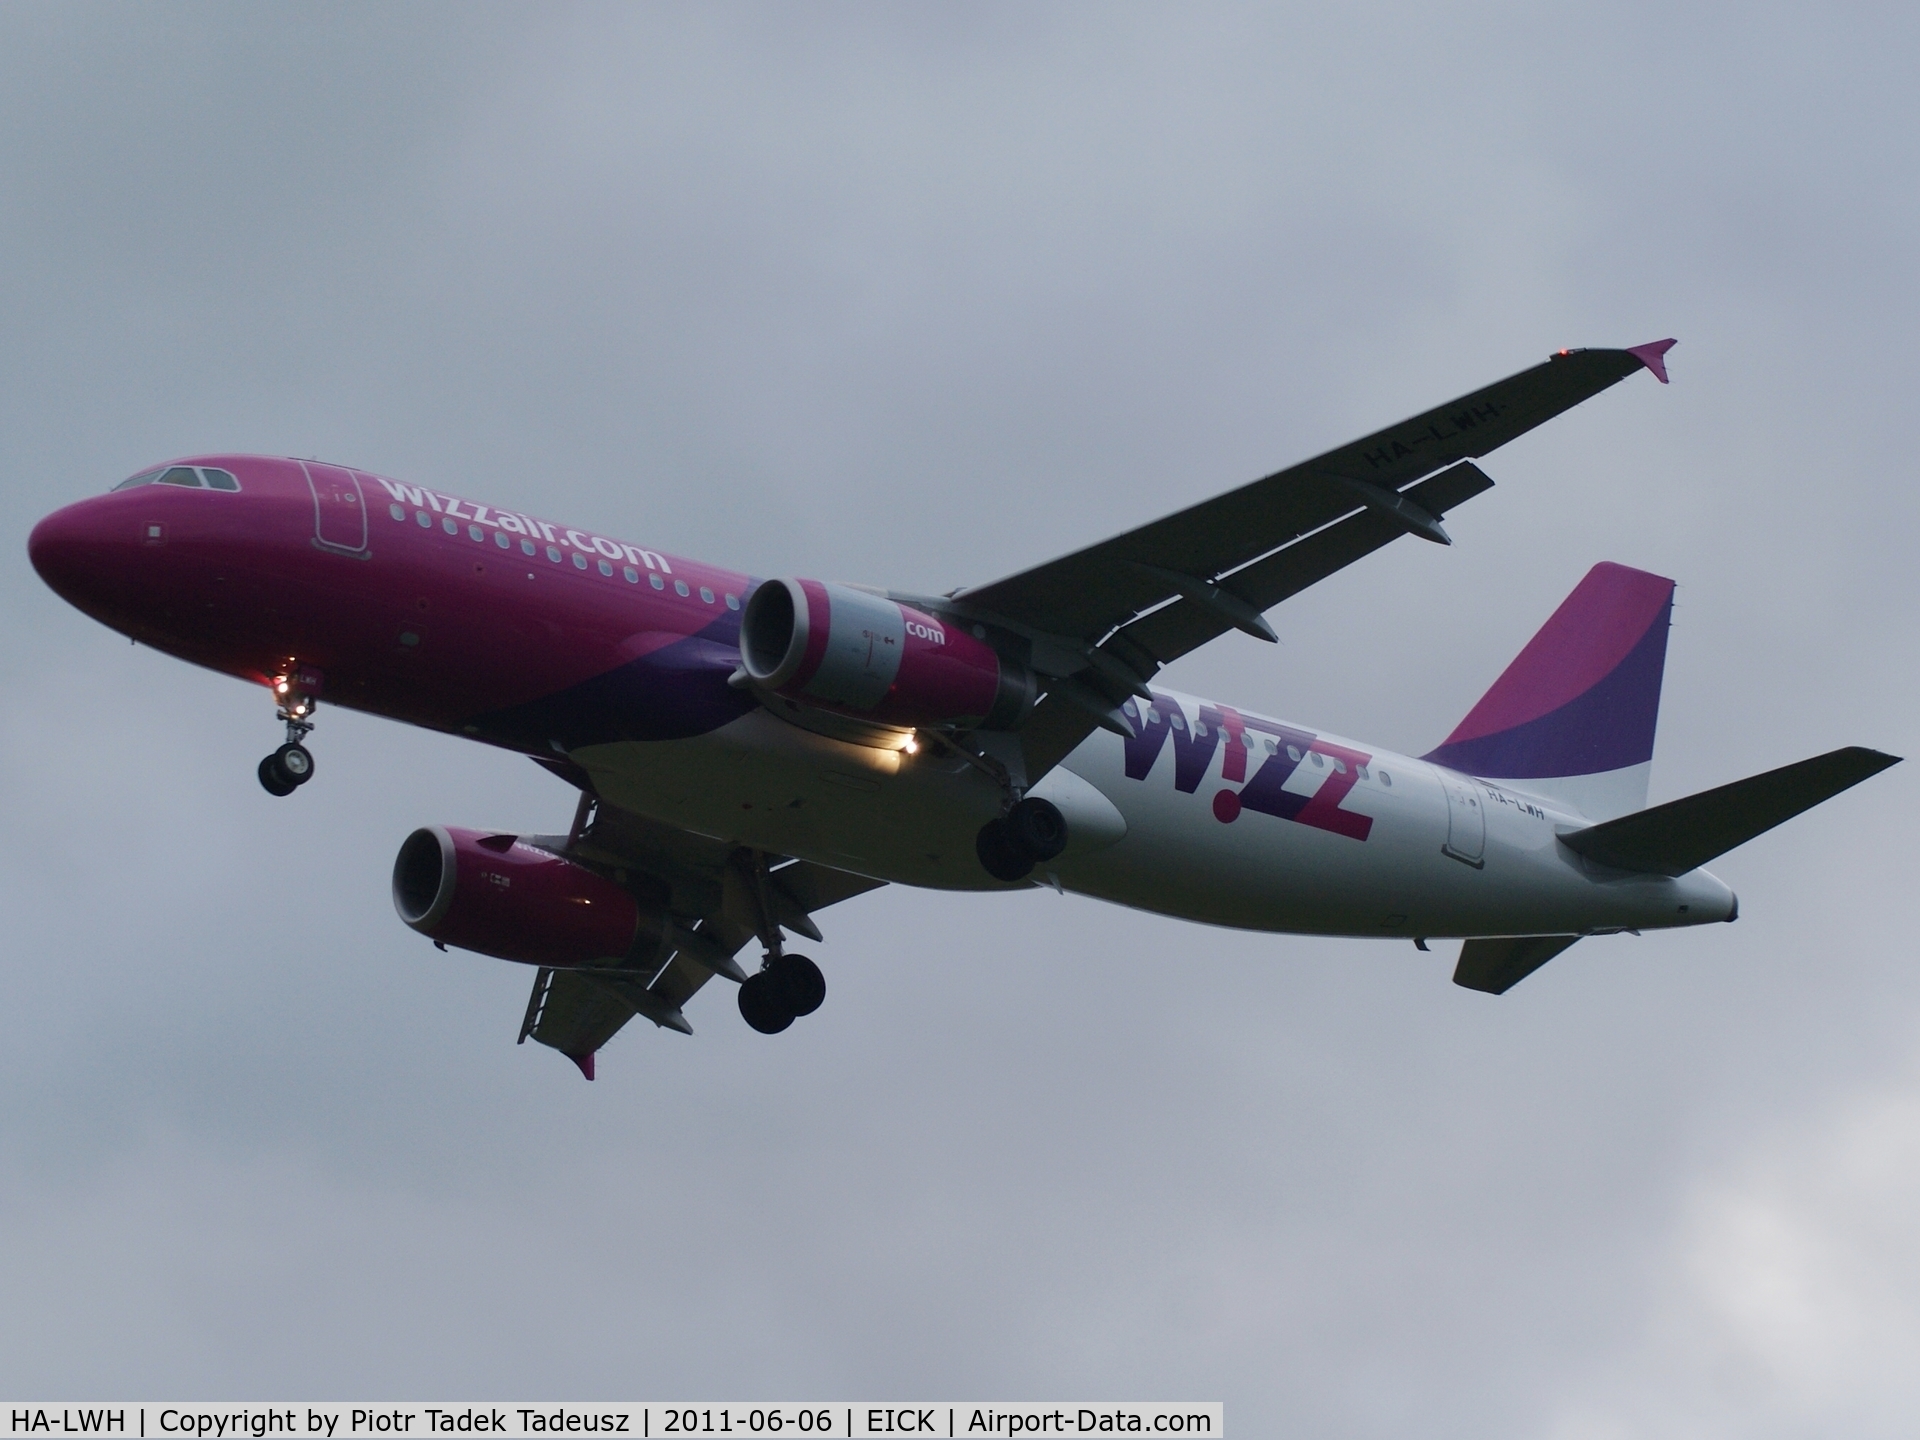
74, 551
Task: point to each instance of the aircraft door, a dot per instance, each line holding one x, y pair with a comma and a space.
1466, 820
339, 509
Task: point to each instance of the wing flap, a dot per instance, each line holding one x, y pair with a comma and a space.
1088, 593
813, 886
1176, 629
1683, 835
578, 1011
573, 1015
1164, 635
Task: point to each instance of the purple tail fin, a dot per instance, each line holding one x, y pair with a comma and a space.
1581, 700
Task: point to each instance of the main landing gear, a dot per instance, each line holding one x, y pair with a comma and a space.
788, 987
1033, 832
291, 766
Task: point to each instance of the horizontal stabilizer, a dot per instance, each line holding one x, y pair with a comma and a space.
1683, 835
1496, 966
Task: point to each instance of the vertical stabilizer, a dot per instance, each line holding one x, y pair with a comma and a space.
1572, 718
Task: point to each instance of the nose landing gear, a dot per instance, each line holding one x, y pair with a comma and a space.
286, 769
291, 766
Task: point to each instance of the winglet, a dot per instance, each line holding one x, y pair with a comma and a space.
1653, 355
585, 1062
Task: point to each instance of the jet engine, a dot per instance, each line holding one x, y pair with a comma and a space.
865, 655
505, 898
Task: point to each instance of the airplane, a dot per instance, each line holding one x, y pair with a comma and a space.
748, 752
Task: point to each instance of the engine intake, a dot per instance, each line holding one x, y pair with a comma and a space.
865, 655
502, 897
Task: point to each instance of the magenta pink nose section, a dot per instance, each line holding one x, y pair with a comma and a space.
77, 550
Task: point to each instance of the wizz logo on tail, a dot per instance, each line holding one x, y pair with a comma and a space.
1267, 793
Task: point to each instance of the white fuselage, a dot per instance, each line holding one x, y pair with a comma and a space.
1226, 818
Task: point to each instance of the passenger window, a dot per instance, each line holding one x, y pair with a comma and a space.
1179, 721
399, 512
1273, 747
1339, 767
500, 539
477, 533
1361, 771
1318, 763
657, 582
553, 553
426, 520
1200, 730
219, 479
606, 568
145, 477
633, 575
452, 527
706, 594
680, 587
733, 601
579, 561
181, 475
526, 547
1293, 753
1386, 779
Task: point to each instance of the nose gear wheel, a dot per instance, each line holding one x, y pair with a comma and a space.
291, 766
286, 769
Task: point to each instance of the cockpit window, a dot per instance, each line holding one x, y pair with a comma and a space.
204, 478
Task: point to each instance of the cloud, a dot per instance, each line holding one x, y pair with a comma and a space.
1786, 1303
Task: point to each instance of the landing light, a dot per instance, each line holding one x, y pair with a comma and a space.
910, 745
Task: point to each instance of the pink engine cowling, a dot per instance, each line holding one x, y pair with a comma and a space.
863, 654
502, 897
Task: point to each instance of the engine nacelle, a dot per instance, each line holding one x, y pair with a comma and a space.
865, 655
502, 897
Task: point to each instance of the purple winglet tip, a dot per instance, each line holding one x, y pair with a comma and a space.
585, 1062
1653, 355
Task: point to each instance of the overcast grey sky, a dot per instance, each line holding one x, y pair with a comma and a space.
917, 296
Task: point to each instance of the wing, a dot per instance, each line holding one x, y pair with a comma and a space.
719, 896
1104, 619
